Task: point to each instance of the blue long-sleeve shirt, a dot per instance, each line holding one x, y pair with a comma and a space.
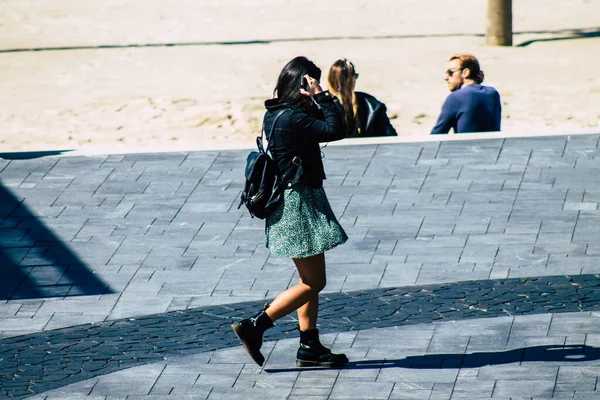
474, 108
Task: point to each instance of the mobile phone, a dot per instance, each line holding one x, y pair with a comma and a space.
304, 84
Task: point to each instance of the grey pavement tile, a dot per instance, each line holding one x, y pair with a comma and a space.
168, 262
385, 247
591, 194
467, 375
216, 380
411, 332
515, 373
188, 289
250, 394
531, 325
23, 324
58, 321
441, 344
163, 397
209, 250
430, 275
534, 388
514, 255
325, 382
587, 206
167, 382
479, 253
527, 341
136, 306
9, 310
137, 380
592, 338
587, 385
67, 397
477, 225
81, 389
236, 355
407, 394
359, 375
434, 226
361, 282
525, 271
390, 233
309, 393
572, 324
448, 255
441, 391
575, 339
400, 274
586, 395
269, 381
503, 239
179, 303
417, 376
408, 386
363, 390
564, 260
486, 343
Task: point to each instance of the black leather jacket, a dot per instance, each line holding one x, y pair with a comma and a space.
294, 144
373, 118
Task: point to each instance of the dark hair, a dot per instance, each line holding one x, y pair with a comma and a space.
469, 61
341, 80
289, 82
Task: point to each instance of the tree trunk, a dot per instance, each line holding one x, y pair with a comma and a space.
499, 23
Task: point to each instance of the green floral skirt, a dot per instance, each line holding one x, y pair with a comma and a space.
303, 225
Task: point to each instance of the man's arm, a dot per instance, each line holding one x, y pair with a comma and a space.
499, 110
447, 118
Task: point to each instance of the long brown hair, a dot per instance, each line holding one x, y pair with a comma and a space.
340, 81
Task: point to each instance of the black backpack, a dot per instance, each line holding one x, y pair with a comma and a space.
263, 190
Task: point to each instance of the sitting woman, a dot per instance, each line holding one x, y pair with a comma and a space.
364, 115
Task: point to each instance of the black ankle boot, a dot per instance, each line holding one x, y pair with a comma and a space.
250, 332
312, 353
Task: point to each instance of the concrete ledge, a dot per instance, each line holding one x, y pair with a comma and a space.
345, 142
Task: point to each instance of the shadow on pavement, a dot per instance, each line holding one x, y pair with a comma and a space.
555, 353
34, 262
574, 34
28, 155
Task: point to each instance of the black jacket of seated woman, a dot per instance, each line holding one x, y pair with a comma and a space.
364, 115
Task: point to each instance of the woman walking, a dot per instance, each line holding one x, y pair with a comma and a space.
303, 226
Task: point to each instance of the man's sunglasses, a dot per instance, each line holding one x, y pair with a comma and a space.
450, 72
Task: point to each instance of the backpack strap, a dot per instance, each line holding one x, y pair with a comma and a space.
296, 161
259, 140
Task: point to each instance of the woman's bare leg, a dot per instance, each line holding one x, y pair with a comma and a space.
307, 313
303, 296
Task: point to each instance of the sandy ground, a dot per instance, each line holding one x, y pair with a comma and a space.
209, 86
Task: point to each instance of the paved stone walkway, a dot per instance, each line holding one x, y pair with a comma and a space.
471, 272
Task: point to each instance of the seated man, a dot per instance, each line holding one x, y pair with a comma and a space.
470, 107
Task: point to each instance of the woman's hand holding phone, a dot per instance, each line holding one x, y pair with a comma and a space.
310, 86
